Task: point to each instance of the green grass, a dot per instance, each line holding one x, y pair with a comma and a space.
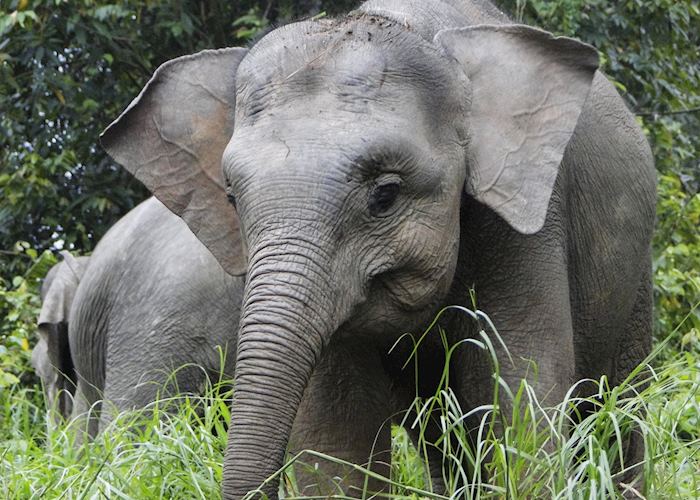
156, 454
175, 449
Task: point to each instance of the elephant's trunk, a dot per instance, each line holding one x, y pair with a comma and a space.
288, 315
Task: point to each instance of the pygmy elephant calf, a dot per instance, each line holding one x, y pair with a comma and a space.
363, 172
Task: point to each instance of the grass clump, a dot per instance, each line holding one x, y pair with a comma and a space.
174, 448
524, 449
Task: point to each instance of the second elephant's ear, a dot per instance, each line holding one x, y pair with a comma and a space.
52, 355
527, 91
172, 138
59, 288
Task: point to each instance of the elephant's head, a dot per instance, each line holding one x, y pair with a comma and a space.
51, 356
353, 145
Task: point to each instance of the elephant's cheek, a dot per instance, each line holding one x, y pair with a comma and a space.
428, 268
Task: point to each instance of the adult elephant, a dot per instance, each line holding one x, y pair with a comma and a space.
377, 166
148, 302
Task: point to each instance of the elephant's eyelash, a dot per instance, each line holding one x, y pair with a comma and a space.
383, 163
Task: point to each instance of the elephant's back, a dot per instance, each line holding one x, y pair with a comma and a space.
149, 242
168, 267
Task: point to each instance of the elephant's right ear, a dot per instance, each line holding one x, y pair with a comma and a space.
172, 138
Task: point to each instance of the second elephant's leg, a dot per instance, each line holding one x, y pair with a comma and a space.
346, 413
87, 404
140, 371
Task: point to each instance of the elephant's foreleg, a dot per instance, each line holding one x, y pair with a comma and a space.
346, 413
85, 416
437, 463
522, 283
633, 347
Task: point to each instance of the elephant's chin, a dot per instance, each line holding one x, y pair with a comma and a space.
410, 291
385, 308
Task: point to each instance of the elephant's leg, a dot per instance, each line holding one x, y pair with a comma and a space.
346, 413
432, 454
532, 318
634, 346
536, 327
522, 283
127, 387
146, 366
145, 377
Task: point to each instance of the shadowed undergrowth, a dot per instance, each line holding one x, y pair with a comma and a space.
175, 448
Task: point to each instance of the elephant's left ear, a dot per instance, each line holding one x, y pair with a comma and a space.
59, 289
527, 91
172, 138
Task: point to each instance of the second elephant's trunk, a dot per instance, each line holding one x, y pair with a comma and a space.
288, 315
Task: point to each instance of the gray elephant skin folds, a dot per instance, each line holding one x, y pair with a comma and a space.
352, 177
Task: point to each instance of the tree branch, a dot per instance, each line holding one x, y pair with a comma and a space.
665, 113
15, 254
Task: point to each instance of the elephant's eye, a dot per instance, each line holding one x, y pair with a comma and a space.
229, 194
383, 197
231, 199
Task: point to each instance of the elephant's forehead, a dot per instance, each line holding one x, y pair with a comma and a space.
352, 59
312, 47
339, 68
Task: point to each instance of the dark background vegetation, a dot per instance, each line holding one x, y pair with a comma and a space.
67, 68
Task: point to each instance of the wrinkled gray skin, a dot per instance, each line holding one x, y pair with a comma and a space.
149, 302
381, 165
